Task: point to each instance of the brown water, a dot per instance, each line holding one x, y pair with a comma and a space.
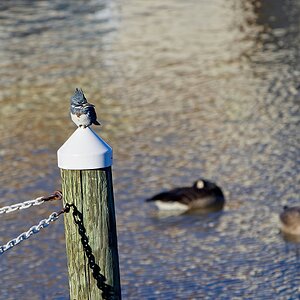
184, 89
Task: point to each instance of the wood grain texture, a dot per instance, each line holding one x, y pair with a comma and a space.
91, 191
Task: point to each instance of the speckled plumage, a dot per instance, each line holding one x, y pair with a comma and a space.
82, 113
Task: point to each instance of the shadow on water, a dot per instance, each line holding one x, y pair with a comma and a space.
289, 238
199, 221
107, 290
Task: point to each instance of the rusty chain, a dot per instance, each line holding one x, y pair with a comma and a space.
57, 195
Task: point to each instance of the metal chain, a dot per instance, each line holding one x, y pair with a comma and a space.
107, 290
34, 229
7, 209
57, 195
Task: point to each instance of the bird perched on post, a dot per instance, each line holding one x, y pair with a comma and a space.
83, 114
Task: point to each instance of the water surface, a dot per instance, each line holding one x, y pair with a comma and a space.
183, 90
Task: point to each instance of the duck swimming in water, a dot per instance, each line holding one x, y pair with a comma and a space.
290, 220
202, 195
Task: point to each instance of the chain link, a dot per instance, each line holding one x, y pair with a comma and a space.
7, 209
33, 230
107, 290
23, 205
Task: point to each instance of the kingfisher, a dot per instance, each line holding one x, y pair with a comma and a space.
83, 114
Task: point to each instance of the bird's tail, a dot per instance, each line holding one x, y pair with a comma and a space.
96, 123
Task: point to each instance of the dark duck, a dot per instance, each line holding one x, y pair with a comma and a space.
290, 220
202, 195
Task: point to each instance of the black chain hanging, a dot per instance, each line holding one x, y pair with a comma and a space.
107, 290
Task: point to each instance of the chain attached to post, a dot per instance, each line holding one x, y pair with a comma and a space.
27, 234
57, 195
107, 290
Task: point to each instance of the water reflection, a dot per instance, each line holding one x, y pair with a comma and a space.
183, 90
291, 238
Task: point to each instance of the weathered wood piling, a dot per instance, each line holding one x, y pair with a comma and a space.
90, 226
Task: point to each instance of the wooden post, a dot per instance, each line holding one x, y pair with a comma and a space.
90, 225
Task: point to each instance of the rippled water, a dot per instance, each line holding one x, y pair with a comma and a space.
184, 89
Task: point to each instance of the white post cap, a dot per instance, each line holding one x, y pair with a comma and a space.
84, 150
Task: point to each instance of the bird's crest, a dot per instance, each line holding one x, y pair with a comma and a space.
78, 97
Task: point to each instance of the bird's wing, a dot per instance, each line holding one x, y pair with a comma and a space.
90, 111
165, 196
88, 105
176, 195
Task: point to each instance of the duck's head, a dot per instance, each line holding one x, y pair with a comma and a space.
203, 184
